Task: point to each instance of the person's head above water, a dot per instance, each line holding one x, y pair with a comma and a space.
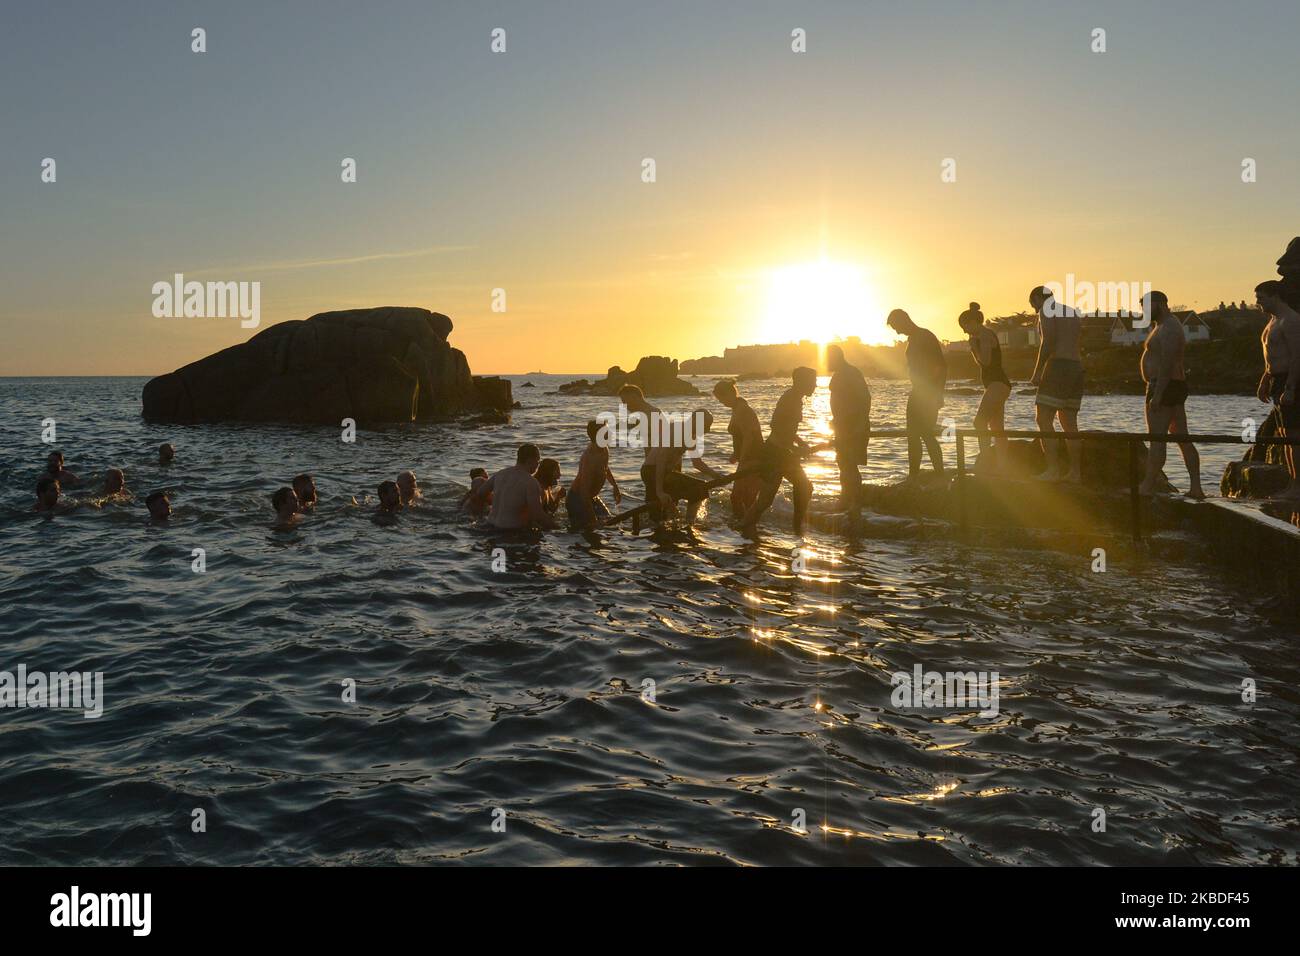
901, 322
47, 492
1155, 306
1268, 295
114, 481
725, 392
159, 505
408, 487
528, 456
304, 486
478, 473
804, 380
54, 463
285, 501
971, 319
548, 473
166, 452
390, 498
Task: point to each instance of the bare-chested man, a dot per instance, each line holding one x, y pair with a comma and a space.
1281, 342
304, 486
746, 446
115, 484
783, 453
583, 501
851, 423
516, 495
990, 416
665, 485
287, 506
1166, 411
408, 488
1058, 373
47, 493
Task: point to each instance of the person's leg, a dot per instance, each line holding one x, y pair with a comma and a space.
802, 495
981, 425
1191, 457
1286, 429
1069, 418
997, 426
1157, 419
913, 436
766, 495
930, 438
1044, 416
850, 480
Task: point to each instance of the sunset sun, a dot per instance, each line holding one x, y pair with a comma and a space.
822, 301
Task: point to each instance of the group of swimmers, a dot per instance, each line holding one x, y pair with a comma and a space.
762, 464
56, 477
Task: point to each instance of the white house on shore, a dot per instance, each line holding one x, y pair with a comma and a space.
1123, 333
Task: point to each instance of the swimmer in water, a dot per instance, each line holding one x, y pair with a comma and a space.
408, 488
166, 452
54, 469
475, 508
159, 505
390, 497
746, 446
115, 484
516, 495
548, 477
665, 485
583, 502
304, 486
783, 453
286, 504
47, 493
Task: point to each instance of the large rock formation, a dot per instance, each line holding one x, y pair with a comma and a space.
376, 366
655, 374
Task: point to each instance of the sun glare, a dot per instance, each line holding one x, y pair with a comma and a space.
822, 301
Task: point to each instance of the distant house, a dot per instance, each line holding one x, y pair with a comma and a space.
1194, 327
1015, 331
1123, 333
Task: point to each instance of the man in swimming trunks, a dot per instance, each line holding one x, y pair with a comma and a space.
304, 486
1058, 373
665, 484
783, 453
516, 495
159, 505
1281, 342
746, 446
47, 493
583, 502
928, 370
54, 468
851, 424
1166, 411
990, 417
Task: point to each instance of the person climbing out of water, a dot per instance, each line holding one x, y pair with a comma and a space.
515, 494
408, 488
783, 453
166, 452
928, 371
54, 468
1281, 344
468, 503
583, 502
390, 497
286, 504
746, 446
1166, 395
115, 484
304, 486
665, 485
548, 478
990, 418
159, 505
1058, 373
851, 425
47, 493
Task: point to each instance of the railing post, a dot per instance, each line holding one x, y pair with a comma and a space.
1134, 498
